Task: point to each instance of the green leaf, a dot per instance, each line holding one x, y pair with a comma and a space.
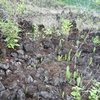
73, 93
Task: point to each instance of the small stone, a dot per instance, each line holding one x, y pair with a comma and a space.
12, 85
20, 95
46, 94
2, 72
29, 79
4, 66
1, 86
21, 52
8, 72
32, 89
14, 54
4, 94
38, 56
17, 63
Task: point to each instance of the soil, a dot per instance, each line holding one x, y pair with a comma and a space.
32, 70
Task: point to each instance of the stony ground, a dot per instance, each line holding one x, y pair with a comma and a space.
32, 70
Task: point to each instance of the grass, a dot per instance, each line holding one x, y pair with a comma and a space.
86, 4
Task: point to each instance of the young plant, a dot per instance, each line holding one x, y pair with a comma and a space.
10, 30
94, 49
48, 31
60, 57
96, 40
68, 73
78, 81
75, 74
63, 94
76, 92
36, 32
90, 60
69, 55
95, 92
26, 90
60, 42
66, 26
79, 54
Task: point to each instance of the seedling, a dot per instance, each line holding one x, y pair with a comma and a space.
90, 60
48, 31
76, 92
35, 67
60, 42
94, 49
65, 57
69, 55
95, 92
66, 26
63, 94
78, 81
26, 90
68, 73
75, 74
60, 58
36, 32
96, 40
79, 54
10, 30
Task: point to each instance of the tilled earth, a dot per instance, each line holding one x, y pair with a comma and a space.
32, 70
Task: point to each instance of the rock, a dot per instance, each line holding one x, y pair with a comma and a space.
20, 95
17, 63
47, 44
38, 56
4, 95
1, 86
20, 52
8, 72
13, 54
40, 71
12, 85
29, 47
2, 73
29, 79
4, 65
31, 89
46, 95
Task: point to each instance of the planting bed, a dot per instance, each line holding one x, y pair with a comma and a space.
33, 71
